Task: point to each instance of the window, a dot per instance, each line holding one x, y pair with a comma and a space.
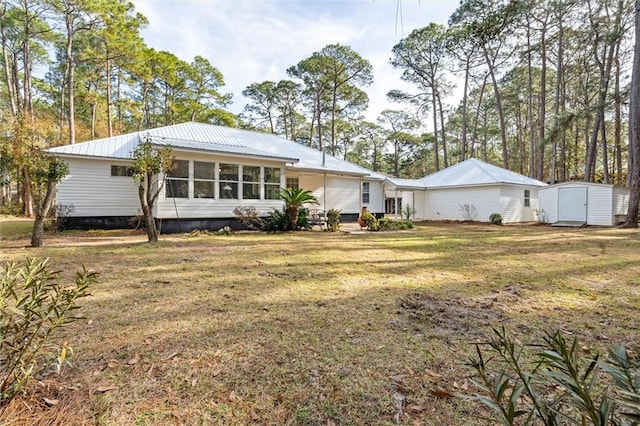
251, 183
121, 171
204, 175
366, 191
272, 183
527, 198
229, 181
178, 180
293, 183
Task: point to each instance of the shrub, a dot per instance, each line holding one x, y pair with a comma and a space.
385, 224
248, 216
496, 218
33, 304
408, 212
333, 220
469, 212
278, 220
225, 230
370, 220
555, 384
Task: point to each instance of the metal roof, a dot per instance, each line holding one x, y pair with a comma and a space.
405, 183
473, 172
217, 139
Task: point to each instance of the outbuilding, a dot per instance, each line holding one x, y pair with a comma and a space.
583, 203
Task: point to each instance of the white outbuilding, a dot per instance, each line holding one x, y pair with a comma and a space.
583, 203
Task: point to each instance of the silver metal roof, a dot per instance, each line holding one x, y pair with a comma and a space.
217, 139
473, 172
405, 183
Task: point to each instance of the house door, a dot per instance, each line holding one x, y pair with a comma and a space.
572, 204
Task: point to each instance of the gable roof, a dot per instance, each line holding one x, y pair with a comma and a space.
473, 172
201, 137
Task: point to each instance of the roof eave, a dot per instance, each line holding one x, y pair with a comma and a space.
230, 154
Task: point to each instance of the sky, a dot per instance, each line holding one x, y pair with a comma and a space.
251, 41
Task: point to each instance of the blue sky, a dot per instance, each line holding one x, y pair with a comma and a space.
251, 41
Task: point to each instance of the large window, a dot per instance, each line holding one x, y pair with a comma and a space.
366, 191
272, 183
229, 181
204, 183
177, 185
527, 198
251, 182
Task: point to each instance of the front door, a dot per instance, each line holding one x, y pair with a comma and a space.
572, 205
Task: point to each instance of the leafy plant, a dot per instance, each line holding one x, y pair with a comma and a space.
333, 220
370, 220
294, 199
542, 216
555, 384
469, 212
33, 304
248, 216
496, 218
408, 211
278, 220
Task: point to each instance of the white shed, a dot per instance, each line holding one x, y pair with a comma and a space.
583, 203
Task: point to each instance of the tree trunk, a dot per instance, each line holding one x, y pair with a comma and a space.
465, 95
444, 137
147, 210
13, 103
108, 96
496, 92
634, 128
41, 214
71, 117
436, 149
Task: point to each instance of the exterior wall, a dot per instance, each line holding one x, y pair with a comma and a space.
548, 204
91, 190
414, 199
620, 204
599, 205
512, 206
342, 193
444, 204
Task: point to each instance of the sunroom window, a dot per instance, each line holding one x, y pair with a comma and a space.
251, 182
271, 183
229, 181
204, 175
177, 185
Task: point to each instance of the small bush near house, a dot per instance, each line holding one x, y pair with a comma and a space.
556, 383
333, 220
226, 230
248, 216
33, 304
408, 212
385, 224
370, 220
496, 218
278, 221
469, 212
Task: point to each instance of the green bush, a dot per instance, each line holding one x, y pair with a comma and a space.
333, 220
278, 220
33, 304
553, 383
385, 224
496, 218
408, 211
370, 220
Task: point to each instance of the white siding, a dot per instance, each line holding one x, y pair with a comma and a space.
444, 204
92, 191
548, 205
376, 197
419, 197
512, 206
620, 203
342, 192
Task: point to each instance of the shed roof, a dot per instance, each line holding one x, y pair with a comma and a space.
473, 172
220, 140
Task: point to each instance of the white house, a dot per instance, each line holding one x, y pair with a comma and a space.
220, 168
472, 190
217, 169
583, 203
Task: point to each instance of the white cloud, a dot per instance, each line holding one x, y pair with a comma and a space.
252, 41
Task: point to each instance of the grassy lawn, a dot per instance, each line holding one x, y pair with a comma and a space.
319, 329
12, 228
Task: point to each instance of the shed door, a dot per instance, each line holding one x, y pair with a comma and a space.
572, 204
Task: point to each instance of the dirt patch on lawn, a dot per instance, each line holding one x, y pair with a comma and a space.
468, 317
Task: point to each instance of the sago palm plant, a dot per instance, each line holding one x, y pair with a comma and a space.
294, 199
